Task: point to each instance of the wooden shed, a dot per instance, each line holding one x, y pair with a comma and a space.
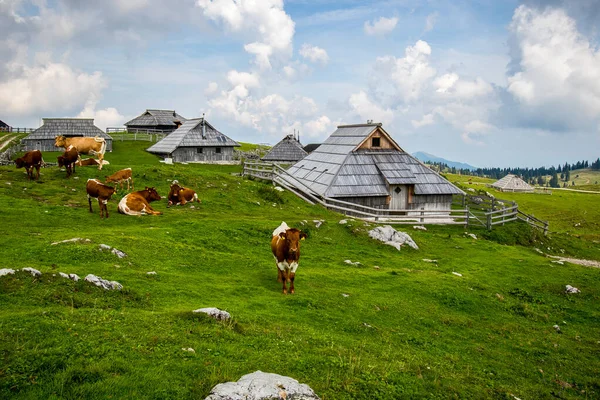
362, 164
196, 141
43, 137
512, 183
289, 150
4, 127
156, 120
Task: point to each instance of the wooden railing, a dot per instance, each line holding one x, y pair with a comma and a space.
122, 129
533, 221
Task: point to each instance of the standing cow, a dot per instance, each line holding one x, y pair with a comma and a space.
84, 145
138, 203
32, 159
120, 177
285, 245
97, 190
181, 195
68, 160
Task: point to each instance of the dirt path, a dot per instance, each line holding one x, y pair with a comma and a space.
7, 142
585, 263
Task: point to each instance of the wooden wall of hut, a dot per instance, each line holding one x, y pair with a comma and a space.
374, 202
208, 154
442, 202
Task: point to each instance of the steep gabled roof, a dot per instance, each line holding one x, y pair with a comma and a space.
3, 124
287, 150
52, 127
340, 168
512, 183
157, 118
190, 135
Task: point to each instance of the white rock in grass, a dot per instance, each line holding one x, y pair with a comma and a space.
343, 222
571, 289
262, 386
352, 263
456, 273
279, 189
73, 277
74, 240
188, 349
430, 261
118, 253
419, 227
32, 271
392, 237
103, 283
151, 273
471, 235
6, 271
214, 312
318, 223
345, 295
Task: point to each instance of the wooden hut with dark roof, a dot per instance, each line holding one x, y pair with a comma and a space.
288, 150
195, 141
362, 164
4, 127
43, 137
512, 183
156, 120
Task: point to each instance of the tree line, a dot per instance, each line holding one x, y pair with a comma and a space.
535, 176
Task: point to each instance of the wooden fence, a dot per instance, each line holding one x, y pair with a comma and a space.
146, 137
17, 130
466, 210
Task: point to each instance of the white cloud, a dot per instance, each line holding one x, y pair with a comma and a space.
368, 110
428, 119
451, 85
211, 89
557, 76
317, 127
108, 117
265, 21
430, 21
314, 53
381, 26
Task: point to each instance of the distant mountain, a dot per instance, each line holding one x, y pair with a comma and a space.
426, 157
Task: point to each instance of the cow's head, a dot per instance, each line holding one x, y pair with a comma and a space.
60, 141
175, 189
152, 194
292, 238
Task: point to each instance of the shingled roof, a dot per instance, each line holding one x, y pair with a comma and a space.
287, 150
512, 183
340, 168
3, 125
157, 118
52, 127
190, 135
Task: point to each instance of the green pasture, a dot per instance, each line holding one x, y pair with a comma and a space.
392, 327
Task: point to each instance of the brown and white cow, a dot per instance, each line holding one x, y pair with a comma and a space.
285, 245
138, 203
84, 145
181, 195
30, 160
90, 161
100, 191
68, 160
120, 177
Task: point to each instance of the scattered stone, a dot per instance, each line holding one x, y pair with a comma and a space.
456, 273
367, 325
352, 263
377, 267
6, 271
217, 314
262, 386
430, 261
500, 297
105, 247
343, 222
345, 295
419, 227
471, 235
74, 240
258, 202
557, 328
188, 349
9, 183
538, 250
32, 271
279, 189
151, 273
558, 262
571, 289
73, 277
318, 223
471, 190
103, 283
73, 190
114, 251
192, 207
391, 237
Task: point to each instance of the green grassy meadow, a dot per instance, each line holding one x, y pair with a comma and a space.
407, 329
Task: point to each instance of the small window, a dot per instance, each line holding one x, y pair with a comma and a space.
199, 150
375, 142
218, 150
397, 190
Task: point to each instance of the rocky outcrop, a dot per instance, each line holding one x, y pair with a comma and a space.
392, 237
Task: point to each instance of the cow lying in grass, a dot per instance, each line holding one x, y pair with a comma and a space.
181, 195
97, 190
30, 160
90, 161
84, 145
285, 245
138, 203
68, 160
120, 177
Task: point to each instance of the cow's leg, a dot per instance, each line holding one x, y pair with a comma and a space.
37, 167
100, 207
292, 277
90, 202
104, 204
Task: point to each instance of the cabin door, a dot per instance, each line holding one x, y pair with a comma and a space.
399, 195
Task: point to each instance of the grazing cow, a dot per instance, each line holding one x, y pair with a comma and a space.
68, 160
84, 145
100, 191
31, 159
138, 203
90, 161
181, 195
120, 177
285, 245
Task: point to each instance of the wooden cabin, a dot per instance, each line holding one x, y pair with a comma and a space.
155, 120
195, 141
288, 150
362, 164
4, 127
43, 137
512, 183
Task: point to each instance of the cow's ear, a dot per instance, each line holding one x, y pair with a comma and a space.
147, 188
282, 235
302, 235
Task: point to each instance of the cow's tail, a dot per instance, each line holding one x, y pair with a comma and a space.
103, 146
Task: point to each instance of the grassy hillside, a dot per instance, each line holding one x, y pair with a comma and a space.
407, 329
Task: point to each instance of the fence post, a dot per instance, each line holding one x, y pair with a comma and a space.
489, 222
467, 219
422, 219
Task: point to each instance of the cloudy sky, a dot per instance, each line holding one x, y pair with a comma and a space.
491, 83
